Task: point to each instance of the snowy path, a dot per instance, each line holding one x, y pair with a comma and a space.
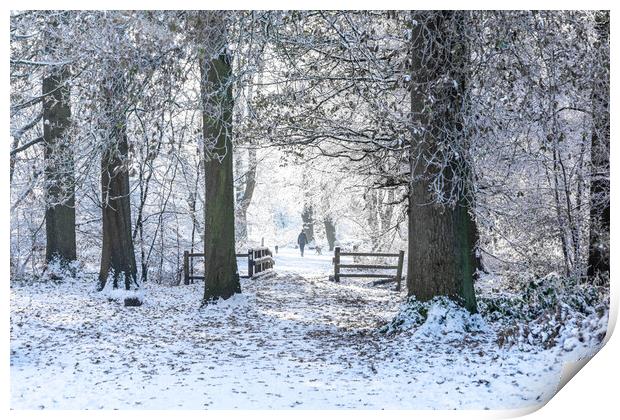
288, 340
289, 259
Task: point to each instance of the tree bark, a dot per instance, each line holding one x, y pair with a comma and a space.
442, 237
118, 260
373, 218
307, 218
245, 199
307, 213
330, 232
387, 210
221, 274
599, 251
59, 167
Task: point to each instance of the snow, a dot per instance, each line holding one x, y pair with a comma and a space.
290, 340
290, 260
450, 323
262, 259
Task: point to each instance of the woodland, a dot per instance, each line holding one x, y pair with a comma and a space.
474, 143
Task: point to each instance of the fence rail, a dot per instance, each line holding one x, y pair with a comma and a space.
398, 267
259, 260
367, 254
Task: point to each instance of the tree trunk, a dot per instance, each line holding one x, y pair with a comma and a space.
193, 206
599, 251
245, 199
307, 218
307, 214
330, 232
373, 218
59, 167
221, 274
117, 257
387, 210
442, 237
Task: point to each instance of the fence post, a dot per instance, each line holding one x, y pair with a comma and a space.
399, 272
250, 263
186, 267
337, 264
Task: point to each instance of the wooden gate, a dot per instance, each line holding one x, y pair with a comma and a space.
259, 260
338, 266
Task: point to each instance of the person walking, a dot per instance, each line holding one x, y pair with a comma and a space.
302, 240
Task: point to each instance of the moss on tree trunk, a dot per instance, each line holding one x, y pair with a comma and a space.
59, 167
442, 237
117, 255
221, 274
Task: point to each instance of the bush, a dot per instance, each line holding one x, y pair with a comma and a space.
545, 312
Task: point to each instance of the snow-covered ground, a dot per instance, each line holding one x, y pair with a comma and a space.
290, 260
291, 339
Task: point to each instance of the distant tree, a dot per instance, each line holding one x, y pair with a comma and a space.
307, 213
373, 208
330, 231
599, 254
59, 166
246, 174
244, 197
58, 155
117, 255
327, 212
118, 261
307, 218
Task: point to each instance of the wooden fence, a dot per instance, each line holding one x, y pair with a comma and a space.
259, 259
398, 267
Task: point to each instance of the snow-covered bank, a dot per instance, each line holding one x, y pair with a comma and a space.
288, 341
